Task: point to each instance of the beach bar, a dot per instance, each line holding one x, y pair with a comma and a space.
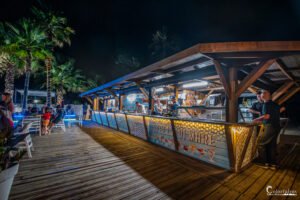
214, 84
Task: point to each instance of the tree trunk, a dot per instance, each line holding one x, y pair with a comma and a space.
10, 79
26, 83
48, 64
59, 95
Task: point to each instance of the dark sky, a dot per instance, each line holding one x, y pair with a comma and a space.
106, 28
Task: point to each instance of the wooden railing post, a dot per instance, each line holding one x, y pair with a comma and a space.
129, 132
116, 121
146, 129
230, 147
107, 119
176, 143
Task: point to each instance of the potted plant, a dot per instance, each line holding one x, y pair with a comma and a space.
9, 160
8, 170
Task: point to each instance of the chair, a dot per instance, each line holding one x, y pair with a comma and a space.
36, 123
27, 145
61, 125
27, 142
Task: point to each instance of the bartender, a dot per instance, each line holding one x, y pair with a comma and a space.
157, 110
139, 108
173, 107
256, 108
271, 122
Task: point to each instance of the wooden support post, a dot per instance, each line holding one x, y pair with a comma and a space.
114, 95
142, 90
150, 101
288, 95
282, 90
253, 76
206, 96
120, 102
96, 104
223, 77
176, 92
89, 100
232, 111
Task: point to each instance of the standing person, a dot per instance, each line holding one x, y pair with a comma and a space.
271, 123
139, 108
7, 106
256, 108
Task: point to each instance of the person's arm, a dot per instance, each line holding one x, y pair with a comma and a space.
253, 111
11, 107
261, 118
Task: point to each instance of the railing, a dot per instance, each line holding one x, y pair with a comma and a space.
227, 145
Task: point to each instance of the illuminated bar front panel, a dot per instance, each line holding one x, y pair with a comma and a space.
103, 118
97, 116
111, 120
136, 126
203, 141
160, 132
121, 121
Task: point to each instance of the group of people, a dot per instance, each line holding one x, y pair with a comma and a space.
158, 108
267, 112
49, 119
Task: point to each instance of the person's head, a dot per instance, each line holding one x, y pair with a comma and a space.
6, 97
258, 96
265, 95
48, 110
137, 103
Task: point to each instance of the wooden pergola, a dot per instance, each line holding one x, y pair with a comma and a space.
231, 66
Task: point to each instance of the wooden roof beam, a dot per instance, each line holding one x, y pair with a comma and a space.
284, 70
223, 77
111, 92
206, 96
88, 99
143, 90
288, 95
262, 78
253, 76
280, 91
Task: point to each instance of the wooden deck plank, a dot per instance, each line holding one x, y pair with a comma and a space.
107, 164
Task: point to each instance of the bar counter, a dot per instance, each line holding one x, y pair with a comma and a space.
227, 145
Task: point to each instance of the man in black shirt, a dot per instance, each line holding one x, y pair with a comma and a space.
256, 108
271, 123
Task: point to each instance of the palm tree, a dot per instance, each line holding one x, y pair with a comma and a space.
30, 43
58, 33
66, 78
162, 44
10, 65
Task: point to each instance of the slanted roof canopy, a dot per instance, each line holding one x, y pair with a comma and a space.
198, 63
36, 93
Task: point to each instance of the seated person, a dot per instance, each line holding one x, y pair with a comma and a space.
57, 117
46, 121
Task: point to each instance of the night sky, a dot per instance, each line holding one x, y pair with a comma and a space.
105, 29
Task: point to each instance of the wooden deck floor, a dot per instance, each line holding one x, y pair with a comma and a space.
107, 164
